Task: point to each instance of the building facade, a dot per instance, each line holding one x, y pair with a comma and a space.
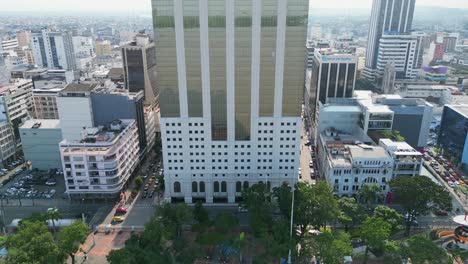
453, 133
407, 160
139, 64
40, 139
75, 109
101, 162
53, 50
347, 166
231, 81
16, 103
45, 101
390, 25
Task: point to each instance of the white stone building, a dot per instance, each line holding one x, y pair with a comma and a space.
100, 163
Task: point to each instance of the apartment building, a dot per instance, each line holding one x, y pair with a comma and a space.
407, 160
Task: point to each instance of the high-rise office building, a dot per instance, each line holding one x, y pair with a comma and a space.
139, 64
231, 81
389, 30
53, 49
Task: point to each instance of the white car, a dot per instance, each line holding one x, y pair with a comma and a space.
451, 184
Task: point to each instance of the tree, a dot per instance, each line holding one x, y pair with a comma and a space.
174, 216
33, 243
224, 222
147, 247
419, 195
375, 231
314, 205
328, 247
257, 199
421, 250
53, 215
389, 215
370, 194
200, 213
71, 237
283, 195
139, 182
240, 243
351, 213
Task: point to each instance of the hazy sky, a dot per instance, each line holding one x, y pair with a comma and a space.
145, 5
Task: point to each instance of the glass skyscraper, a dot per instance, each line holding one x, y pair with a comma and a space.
231, 81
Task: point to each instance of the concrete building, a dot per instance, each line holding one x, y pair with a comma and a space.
99, 164
112, 104
45, 101
389, 77
103, 48
390, 39
365, 113
24, 38
16, 103
139, 64
7, 141
439, 94
231, 82
450, 42
53, 50
439, 52
347, 165
83, 46
40, 139
8, 45
336, 74
407, 160
453, 133
412, 117
75, 109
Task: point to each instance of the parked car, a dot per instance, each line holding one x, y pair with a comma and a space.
118, 219
121, 210
50, 182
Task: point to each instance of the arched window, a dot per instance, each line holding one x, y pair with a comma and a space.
194, 187
202, 187
216, 187
223, 186
246, 184
177, 187
238, 186
268, 185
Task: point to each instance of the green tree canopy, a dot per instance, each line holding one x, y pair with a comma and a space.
200, 213
389, 215
370, 194
33, 243
328, 247
419, 195
139, 182
421, 250
351, 213
71, 237
375, 231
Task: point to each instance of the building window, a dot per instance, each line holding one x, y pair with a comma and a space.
194, 187
177, 187
238, 186
223, 186
216, 187
202, 186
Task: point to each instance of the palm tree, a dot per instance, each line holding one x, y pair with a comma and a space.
53, 215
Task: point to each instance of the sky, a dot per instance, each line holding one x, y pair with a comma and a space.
145, 5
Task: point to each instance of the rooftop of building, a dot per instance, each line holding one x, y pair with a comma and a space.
115, 72
398, 147
50, 88
80, 87
331, 52
342, 148
461, 108
98, 135
41, 124
14, 84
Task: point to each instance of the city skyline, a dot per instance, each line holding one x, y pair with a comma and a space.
145, 5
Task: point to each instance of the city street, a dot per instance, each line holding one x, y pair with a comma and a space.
305, 159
